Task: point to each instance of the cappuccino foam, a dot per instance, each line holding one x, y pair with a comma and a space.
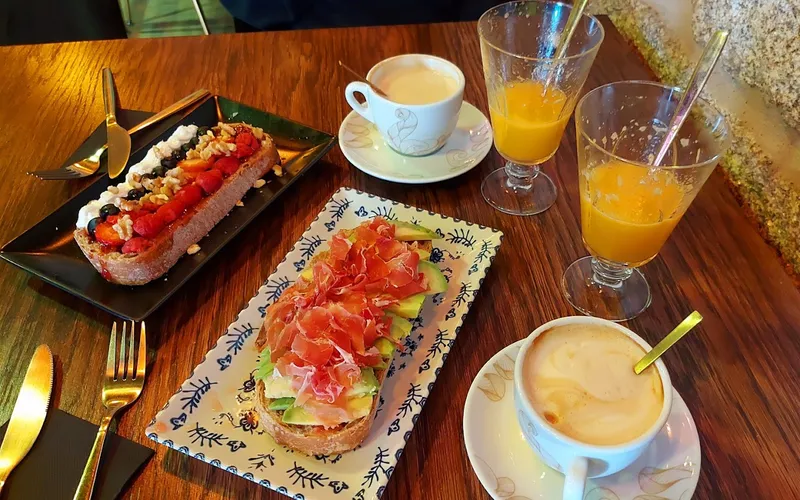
580, 379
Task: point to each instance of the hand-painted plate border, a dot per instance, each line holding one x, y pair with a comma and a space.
210, 417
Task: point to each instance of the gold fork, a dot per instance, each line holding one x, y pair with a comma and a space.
121, 386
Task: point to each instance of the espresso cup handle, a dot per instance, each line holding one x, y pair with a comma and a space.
350, 95
575, 479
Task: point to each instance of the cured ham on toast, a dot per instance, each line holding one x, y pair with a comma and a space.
327, 342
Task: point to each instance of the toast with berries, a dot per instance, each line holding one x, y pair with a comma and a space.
136, 231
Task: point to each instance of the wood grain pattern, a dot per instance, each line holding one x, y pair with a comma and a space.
738, 372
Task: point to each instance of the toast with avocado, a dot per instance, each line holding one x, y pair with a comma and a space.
328, 341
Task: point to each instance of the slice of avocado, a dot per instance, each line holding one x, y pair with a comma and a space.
279, 387
360, 407
423, 254
298, 416
406, 231
366, 386
436, 281
281, 404
409, 307
265, 366
386, 347
357, 407
401, 327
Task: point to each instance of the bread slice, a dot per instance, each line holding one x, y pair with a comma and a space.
173, 241
313, 439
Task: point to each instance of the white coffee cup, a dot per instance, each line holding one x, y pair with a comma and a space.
410, 129
577, 460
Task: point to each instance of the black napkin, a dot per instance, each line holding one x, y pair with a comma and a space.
53, 467
125, 117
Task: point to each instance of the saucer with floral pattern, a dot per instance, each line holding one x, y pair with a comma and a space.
364, 147
509, 468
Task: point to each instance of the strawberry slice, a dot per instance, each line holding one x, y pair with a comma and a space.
189, 195
227, 164
149, 225
195, 165
149, 206
171, 210
136, 245
105, 234
210, 181
243, 150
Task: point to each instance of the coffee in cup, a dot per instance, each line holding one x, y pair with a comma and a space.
580, 379
579, 404
416, 83
425, 94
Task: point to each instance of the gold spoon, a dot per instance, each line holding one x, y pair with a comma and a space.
371, 85
675, 335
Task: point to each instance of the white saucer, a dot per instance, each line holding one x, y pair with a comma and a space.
507, 467
363, 145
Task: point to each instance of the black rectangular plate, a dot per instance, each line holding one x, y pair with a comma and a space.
49, 251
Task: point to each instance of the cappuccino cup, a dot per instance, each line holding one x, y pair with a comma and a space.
420, 111
579, 403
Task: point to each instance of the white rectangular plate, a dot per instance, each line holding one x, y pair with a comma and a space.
211, 418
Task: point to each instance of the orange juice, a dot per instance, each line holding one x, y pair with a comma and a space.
628, 211
527, 121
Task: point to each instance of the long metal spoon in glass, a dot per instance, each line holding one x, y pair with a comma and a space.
629, 202
532, 91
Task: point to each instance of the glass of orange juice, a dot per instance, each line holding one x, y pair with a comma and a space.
628, 206
531, 95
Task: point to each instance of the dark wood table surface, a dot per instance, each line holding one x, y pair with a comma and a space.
739, 372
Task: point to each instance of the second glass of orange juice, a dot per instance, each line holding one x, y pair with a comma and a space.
628, 206
531, 95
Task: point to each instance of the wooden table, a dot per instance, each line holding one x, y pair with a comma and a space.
739, 372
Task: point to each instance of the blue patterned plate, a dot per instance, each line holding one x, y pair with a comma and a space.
211, 417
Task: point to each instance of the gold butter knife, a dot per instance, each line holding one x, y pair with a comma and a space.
29, 412
119, 140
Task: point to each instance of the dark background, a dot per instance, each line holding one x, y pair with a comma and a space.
45, 21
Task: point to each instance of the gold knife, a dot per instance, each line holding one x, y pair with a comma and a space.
118, 141
29, 412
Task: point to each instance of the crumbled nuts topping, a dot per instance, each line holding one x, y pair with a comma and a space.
124, 227
193, 249
218, 147
129, 205
259, 183
225, 127
239, 203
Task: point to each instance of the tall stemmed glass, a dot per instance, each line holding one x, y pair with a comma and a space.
628, 207
518, 43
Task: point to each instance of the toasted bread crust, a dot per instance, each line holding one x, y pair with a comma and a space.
315, 440
173, 242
